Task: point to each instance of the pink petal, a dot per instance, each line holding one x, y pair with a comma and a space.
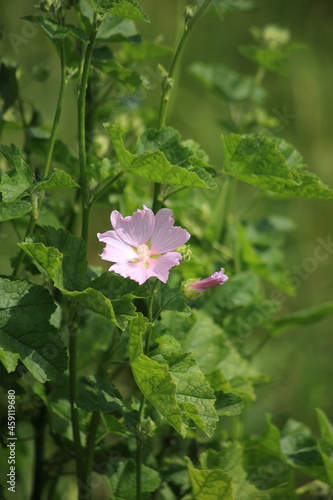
161, 266
134, 270
135, 229
116, 250
215, 279
166, 236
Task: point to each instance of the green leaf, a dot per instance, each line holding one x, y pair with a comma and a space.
192, 390
300, 450
25, 310
243, 289
272, 60
67, 269
227, 83
116, 29
55, 31
210, 485
277, 326
16, 183
230, 461
9, 360
228, 404
155, 165
127, 77
128, 9
102, 396
62, 256
273, 165
13, 209
325, 444
153, 379
217, 357
57, 178
123, 482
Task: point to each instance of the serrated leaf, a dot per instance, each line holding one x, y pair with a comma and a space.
56, 179
64, 269
9, 360
228, 404
16, 183
117, 29
123, 481
273, 165
216, 356
55, 31
13, 209
210, 485
25, 310
192, 390
156, 167
300, 450
102, 396
227, 83
153, 379
277, 326
128, 9
230, 461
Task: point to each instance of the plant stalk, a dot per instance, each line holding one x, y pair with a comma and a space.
82, 131
167, 84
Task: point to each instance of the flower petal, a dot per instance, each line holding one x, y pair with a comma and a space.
166, 236
116, 250
135, 229
215, 279
161, 266
134, 270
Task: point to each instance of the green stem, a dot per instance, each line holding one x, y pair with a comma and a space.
46, 169
104, 190
82, 132
167, 84
139, 443
74, 411
90, 451
57, 115
228, 193
176, 58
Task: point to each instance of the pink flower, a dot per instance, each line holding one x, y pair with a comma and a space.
215, 279
141, 245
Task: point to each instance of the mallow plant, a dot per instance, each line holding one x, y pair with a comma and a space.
129, 374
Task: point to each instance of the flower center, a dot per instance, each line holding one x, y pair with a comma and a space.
143, 253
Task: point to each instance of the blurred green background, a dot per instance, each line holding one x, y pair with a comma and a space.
301, 361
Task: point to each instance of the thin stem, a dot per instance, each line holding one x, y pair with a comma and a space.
39, 479
176, 58
82, 132
46, 169
57, 115
227, 195
139, 443
104, 190
167, 84
74, 411
168, 195
90, 450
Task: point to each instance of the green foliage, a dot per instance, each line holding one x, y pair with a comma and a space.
127, 9
272, 165
151, 374
123, 482
155, 164
26, 331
